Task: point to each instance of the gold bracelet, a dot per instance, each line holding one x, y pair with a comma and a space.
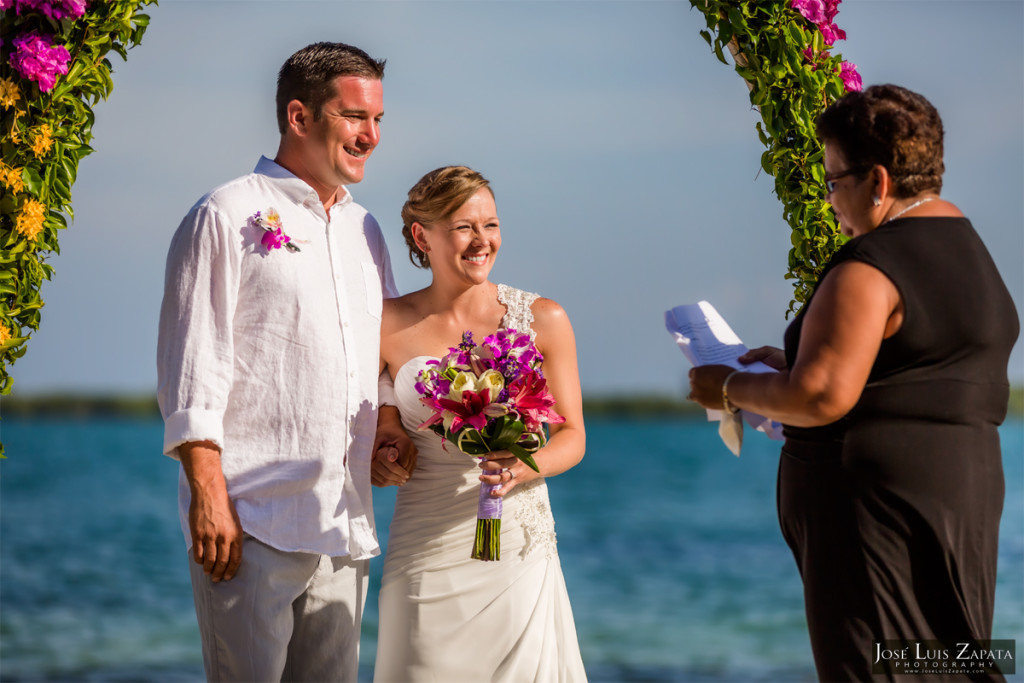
725, 394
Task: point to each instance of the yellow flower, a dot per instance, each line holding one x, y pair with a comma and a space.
9, 94
5, 334
30, 220
11, 178
493, 380
462, 382
41, 141
14, 180
273, 218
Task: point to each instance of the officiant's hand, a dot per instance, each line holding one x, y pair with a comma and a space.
504, 469
394, 453
706, 385
772, 356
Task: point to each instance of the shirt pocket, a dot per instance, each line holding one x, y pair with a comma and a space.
374, 290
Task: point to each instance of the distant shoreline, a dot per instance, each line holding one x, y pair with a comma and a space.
71, 405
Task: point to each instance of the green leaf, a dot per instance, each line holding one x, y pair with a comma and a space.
33, 181
525, 456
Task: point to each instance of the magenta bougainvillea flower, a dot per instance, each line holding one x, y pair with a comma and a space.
832, 33
37, 59
812, 10
831, 10
851, 79
821, 13
54, 9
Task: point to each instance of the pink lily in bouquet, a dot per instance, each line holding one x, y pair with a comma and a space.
529, 393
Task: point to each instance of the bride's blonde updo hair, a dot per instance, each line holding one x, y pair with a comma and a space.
436, 196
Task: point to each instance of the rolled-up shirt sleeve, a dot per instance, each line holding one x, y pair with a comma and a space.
386, 389
195, 355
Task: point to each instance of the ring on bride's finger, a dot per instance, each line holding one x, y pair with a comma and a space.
511, 475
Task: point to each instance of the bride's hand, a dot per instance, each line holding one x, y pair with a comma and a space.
501, 467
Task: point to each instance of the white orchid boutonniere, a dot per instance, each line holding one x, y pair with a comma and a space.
274, 236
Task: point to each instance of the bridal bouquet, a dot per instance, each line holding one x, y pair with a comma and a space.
486, 398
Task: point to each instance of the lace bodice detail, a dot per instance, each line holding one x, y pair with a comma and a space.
518, 314
534, 509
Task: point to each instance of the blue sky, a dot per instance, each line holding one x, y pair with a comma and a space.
622, 153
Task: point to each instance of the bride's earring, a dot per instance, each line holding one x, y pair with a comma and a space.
876, 201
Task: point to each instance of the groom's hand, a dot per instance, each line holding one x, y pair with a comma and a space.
212, 519
394, 453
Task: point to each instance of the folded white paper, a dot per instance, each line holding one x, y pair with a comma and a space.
706, 339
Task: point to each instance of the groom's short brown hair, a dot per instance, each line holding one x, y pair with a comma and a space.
309, 74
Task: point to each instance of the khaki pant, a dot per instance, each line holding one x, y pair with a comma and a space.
283, 617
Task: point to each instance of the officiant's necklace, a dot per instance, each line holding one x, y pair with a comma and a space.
912, 206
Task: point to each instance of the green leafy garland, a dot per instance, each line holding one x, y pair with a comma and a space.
781, 49
53, 70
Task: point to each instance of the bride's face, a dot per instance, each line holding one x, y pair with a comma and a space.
464, 245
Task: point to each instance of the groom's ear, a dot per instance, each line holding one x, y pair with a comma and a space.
299, 117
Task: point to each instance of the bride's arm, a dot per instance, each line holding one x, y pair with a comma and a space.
565, 448
394, 454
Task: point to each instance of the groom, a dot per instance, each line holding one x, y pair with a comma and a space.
268, 361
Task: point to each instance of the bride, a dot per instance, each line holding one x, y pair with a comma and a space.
444, 616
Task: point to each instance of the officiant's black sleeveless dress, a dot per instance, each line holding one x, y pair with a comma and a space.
893, 512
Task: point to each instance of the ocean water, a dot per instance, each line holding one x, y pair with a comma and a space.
670, 548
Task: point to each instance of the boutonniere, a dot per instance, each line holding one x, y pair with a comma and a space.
273, 230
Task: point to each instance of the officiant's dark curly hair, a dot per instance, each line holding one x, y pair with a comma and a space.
889, 126
309, 74
436, 196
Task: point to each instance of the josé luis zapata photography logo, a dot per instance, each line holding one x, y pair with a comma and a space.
938, 657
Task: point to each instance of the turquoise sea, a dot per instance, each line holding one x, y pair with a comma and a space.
670, 548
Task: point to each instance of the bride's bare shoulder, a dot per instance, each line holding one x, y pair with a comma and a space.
548, 315
401, 312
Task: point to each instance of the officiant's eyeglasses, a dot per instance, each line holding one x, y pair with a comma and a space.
830, 180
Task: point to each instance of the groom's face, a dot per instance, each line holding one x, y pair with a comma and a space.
347, 131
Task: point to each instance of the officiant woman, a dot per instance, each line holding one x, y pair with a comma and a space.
891, 386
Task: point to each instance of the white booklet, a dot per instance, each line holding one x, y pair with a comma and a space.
706, 339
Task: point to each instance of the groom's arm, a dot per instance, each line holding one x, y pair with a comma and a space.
195, 353
212, 519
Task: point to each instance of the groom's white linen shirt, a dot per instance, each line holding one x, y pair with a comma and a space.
273, 356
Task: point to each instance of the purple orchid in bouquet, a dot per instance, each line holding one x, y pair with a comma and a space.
488, 398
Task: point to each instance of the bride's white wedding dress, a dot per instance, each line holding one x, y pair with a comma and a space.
445, 617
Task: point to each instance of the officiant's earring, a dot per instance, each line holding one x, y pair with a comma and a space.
876, 201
